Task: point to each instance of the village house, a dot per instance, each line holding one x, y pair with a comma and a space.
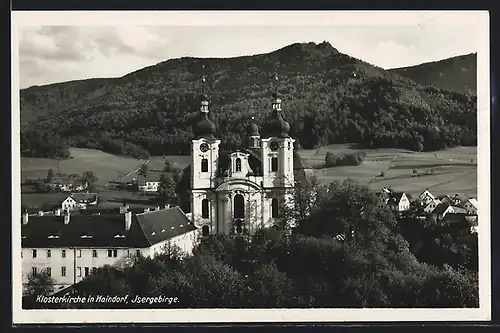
69, 246
426, 197
79, 201
445, 199
398, 201
150, 184
431, 205
445, 208
471, 205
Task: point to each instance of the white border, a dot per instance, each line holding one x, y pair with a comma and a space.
226, 18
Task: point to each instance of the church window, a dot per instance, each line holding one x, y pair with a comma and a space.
204, 209
205, 230
204, 165
239, 206
238, 164
274, 164
274, 207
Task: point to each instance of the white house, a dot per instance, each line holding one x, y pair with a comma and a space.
471, 205
240, 190
445, 208
426, 197
79, 201
398, 202
70, 247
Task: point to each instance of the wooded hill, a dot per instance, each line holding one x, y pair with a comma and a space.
328, 97
456, 73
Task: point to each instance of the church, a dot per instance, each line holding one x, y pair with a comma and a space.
237, 192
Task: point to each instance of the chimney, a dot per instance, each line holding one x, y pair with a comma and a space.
128, 220
25, 218
67, 217
58, 212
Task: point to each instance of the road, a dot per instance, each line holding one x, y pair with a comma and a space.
133, 171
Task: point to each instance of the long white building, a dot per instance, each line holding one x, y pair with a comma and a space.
69, 246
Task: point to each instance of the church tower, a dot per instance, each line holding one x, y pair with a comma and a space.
253, 135
204, 159
277, 149
277, 162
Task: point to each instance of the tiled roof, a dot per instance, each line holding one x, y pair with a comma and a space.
441, 208
106, 230
160, 225
98, 231
395, 197
78, 197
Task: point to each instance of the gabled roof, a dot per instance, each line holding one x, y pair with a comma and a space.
395, 197
160, 225
441, 208
79, 197
473, 202
106, 230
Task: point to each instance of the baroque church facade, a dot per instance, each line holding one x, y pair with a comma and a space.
240, 191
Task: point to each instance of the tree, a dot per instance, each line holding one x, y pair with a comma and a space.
166, 190
90, 178
168, 166
143, 170
50, 175
40, 283
306, 196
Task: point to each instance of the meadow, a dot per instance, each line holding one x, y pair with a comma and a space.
451, 171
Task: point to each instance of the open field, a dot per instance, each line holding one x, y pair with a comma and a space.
454, 169
107, 167
453, 172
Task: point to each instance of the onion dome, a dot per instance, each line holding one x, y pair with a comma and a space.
204, 128
253, 129
277, 126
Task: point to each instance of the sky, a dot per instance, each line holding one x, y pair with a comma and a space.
49, 53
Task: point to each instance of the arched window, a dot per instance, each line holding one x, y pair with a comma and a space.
239, 206
274, 207
204, 165
204, 209
274, 164
238, 164
205, 230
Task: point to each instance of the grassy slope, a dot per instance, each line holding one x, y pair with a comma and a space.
453, 170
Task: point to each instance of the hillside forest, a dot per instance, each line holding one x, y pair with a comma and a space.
328, 97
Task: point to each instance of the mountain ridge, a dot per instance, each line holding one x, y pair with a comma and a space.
328, 97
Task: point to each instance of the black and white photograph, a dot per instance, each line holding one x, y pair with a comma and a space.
212, 166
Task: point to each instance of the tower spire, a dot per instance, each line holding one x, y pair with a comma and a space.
203, 82
276, 79
204, 98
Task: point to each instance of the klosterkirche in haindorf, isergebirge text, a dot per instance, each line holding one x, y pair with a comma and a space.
241, 190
